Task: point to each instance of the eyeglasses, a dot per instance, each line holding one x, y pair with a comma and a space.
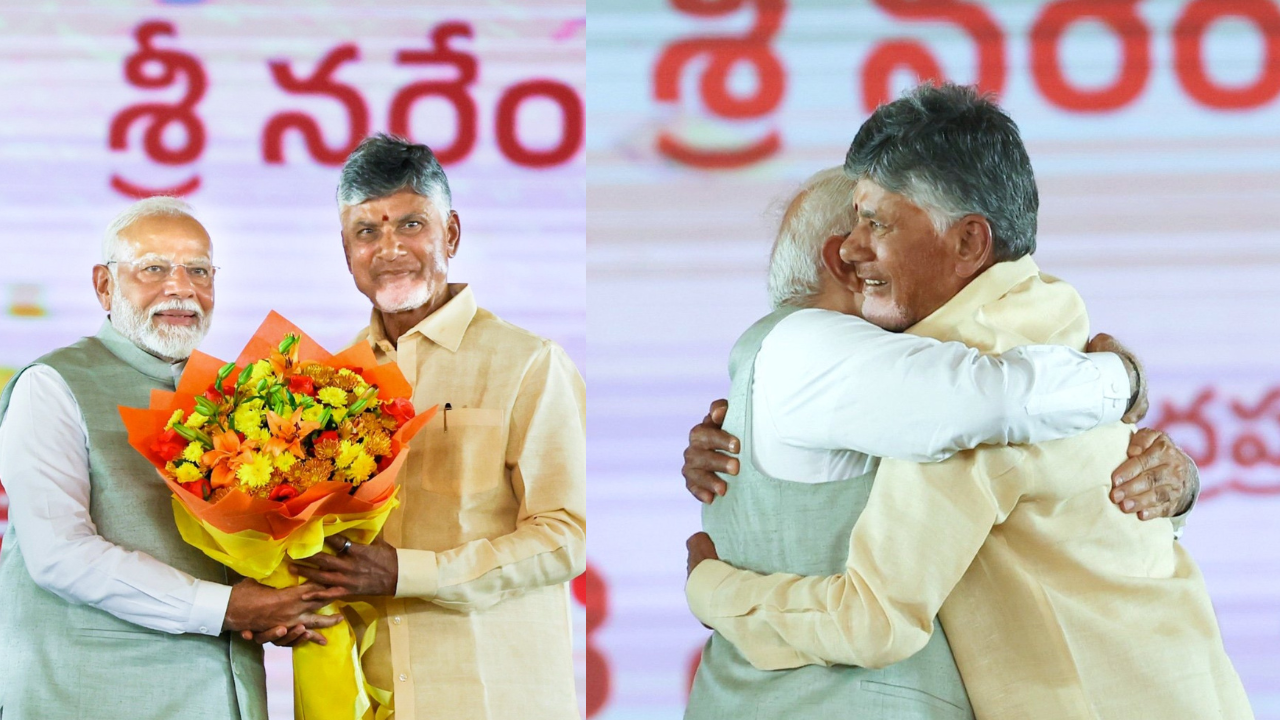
152, 272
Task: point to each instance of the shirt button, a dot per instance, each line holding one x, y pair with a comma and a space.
403, 677
395, 620
204, 630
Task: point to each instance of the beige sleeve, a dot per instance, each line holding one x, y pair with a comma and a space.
546, 456
922, 527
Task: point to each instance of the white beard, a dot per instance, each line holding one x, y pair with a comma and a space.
169, 342
394, 300
399, 299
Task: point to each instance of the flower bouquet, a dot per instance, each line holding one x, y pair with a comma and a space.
270, 454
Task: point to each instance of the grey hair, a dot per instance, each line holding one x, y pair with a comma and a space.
383, 165
113, 246
822, 207
953, 152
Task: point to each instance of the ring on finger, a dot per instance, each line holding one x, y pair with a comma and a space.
346, 545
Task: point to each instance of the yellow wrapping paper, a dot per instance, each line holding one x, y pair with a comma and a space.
329, 682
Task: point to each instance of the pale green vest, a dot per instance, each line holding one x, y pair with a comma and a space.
65, 661
769, 525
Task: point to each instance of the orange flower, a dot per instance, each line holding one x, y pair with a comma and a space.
284, 363
225, 458
287, 434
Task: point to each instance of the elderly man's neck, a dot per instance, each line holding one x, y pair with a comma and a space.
398, 323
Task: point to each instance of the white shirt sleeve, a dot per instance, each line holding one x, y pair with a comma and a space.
44, 465
837, 382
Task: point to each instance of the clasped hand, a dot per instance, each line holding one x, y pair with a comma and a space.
287, 617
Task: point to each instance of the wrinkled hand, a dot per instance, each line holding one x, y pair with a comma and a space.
700, 548
257, 608
371, 569
1158, 479
1138, 405
706, 456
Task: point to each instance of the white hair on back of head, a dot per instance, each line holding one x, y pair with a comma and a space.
822, 207
114, 248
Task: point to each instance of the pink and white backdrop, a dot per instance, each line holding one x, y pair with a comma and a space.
248, 109
1152, 127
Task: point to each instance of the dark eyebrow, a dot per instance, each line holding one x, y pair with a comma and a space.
412, 216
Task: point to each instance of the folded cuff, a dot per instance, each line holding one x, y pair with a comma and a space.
209, 609
701, 588
1115, 386
418, 575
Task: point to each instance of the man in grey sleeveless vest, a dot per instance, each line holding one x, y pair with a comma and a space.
791, 509
106, 612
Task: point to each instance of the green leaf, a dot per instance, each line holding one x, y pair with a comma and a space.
325, 417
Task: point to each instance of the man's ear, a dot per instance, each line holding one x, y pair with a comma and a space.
102, 281
839, 269
345, 254
974, 247
454, 230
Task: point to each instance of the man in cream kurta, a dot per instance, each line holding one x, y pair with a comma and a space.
491, 526
471, 575
1056, 604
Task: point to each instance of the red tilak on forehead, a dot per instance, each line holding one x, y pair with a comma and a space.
385, 218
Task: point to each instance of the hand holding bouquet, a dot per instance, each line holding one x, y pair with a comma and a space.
270, 454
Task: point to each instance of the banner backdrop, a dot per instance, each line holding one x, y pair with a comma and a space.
1152, 127
248, 109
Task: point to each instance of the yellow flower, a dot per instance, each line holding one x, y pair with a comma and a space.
361, 468
333, 397
347, 453
196, 420
256, 471
261, 369
338, 414
285, 461
174, 419
193, 452
186, 473
249, 418
313, 413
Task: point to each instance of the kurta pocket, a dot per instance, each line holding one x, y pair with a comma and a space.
464, 451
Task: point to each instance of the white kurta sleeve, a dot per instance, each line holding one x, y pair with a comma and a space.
44, 466
837, 382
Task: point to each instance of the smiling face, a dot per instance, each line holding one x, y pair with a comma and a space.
907, 268
160, 291
398, 249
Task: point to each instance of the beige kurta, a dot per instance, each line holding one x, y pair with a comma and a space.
1057, 604
492, 523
